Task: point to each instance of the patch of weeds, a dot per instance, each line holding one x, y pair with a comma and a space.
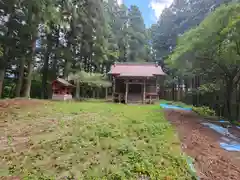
104, 132
116, 176
9, 140
237, 123
124, 149
107, 141
204, 111
62, 123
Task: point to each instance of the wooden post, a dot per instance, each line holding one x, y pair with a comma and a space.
119, 98
97, 92
106, 93
157, 90
77, 93
126, 93
144, 91
114, 88
93, 93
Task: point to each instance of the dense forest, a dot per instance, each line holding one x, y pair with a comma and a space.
196, 41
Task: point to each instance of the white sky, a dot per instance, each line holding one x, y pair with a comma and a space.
159, 5
120, 1
156, 5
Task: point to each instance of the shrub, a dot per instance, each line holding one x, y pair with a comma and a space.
204, 111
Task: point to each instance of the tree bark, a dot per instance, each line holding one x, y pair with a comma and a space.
28, 84
173, 91
54, 69
238, 103
97, 93
20, 77
45, 77
93, 93
3, 64
77, 93
55, 59
106, 93
2, 75
229, 92
27, 89
66, 69
46, 68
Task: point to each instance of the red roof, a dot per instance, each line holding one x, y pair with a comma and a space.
136, 69
63, 82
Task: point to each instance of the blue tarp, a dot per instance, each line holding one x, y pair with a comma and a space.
229, 144
230, 147
167, 106
223, 121
238, 127
217, 128
191, 166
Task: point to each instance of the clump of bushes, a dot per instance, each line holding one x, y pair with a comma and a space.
204, 111
237, 123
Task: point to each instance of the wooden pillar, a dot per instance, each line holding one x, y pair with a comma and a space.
157, 88
97, 92
126, 92
93, 93
114, 88
144, 91
106, 93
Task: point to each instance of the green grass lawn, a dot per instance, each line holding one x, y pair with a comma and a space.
90, 140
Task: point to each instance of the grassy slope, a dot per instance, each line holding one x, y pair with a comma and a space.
87, 140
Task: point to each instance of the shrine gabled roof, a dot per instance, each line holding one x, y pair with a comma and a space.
136, 70
63, 82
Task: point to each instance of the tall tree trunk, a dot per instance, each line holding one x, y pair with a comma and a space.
46, 68
20, 77
2, 75
71, 43
66, 69
77, 93
106, 93
55, 59
173, 91
97, 92
93, 93
67, 64
28, 84
54, 69
3, 64
45, 77
53, 73
229, 92
238, 103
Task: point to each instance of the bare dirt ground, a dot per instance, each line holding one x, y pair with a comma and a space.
10, 105
202, 144
17, 103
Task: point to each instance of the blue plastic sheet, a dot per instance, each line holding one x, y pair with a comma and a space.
167, 106
223, 121
238, 127
191, 166
230, 147
217, 128
229, 144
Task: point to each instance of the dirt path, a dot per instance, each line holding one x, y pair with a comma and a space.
202, 144
9, 106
